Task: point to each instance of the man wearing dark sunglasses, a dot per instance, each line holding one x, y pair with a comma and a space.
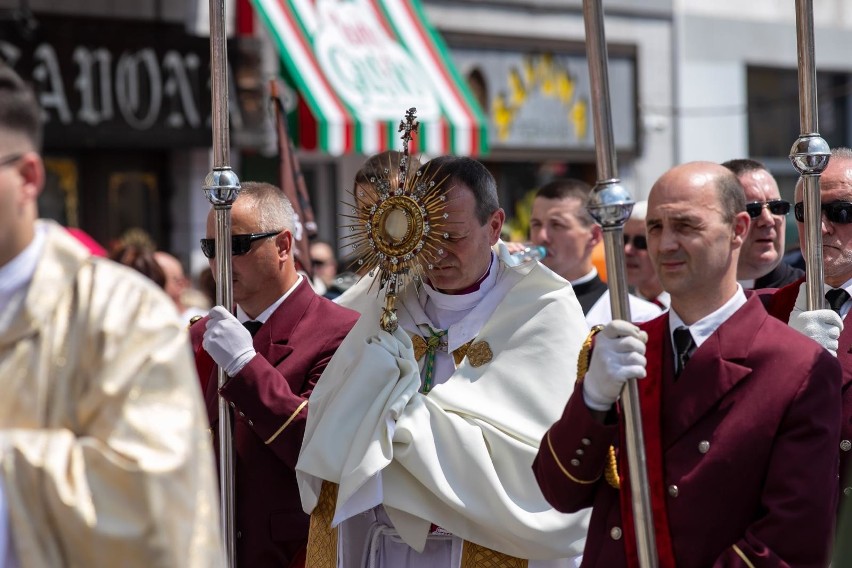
560, 223
274, 349
761, 258
828, 326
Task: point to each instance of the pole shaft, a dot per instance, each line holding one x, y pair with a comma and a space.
807, 68
613, 229
222, 188
219, 84
809, 155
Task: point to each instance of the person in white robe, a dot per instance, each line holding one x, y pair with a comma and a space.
105, 459
432, 451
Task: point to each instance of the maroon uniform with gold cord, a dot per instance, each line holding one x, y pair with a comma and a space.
269, 398
779, 303
742, 451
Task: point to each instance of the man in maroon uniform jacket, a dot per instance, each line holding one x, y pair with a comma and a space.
740, 412
271, 375
824, 326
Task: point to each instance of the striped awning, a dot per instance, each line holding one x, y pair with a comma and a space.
358, 65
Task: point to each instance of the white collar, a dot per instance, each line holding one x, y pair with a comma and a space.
265, 314
462, 302
587, 278
706, 326
16, 274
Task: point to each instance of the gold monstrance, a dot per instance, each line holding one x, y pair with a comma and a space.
398, 221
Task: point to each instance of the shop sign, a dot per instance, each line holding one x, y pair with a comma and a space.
115, 83
370, 71
542, 100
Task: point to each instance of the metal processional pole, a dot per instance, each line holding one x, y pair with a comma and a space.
222, 188
611, 205
810, 154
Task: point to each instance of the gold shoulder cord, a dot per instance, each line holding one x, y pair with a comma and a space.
586, 353
611, 468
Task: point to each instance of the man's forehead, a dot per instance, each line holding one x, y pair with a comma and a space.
558, 206
837, 179
758, 185
678, 209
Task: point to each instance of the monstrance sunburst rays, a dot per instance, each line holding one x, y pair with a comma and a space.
397, 222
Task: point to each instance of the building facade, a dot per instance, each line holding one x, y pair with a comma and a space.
125, 89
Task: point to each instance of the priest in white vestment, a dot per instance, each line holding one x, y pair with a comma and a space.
432, 448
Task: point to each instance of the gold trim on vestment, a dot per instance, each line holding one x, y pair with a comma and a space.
420, 347
479, 353
459, 354
292, 417
742, 555
477, 556
565, 471
322, 538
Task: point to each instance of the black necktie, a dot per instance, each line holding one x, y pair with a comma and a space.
836, 298
252, 326
684, 345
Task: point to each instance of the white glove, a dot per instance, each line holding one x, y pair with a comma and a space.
227, 341
823, 326
619, 354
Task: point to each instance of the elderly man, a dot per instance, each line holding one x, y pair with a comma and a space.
641, 275
761, 262
104, 452
741, 414
432, 448
561, 223
827, 326
273, 351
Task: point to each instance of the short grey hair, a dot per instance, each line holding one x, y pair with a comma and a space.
842, 152
274, 210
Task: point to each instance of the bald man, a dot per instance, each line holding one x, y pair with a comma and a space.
725, 412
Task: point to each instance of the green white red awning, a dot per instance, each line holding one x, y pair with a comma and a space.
358, 65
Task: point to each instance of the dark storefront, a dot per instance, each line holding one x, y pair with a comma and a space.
122, 101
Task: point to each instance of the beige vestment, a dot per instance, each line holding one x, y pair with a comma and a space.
105, 455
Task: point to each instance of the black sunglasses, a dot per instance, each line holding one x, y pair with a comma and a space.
839, 212
776, 207
639, 242
240, 244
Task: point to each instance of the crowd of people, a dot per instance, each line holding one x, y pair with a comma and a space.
485, 429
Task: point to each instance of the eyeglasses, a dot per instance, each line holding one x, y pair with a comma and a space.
10, 159
776, 207
240, 244
839, 212
639, 242
316, 262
